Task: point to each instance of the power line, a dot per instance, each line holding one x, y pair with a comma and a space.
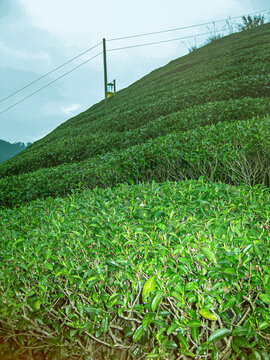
114, 49
163, 41
122, 38
70, 71
183, 28
50, 72
50, 83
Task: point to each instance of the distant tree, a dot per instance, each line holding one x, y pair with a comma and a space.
250, 22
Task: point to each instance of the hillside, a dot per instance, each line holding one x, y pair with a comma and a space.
223, 82
235, 67
140, 229
8, 150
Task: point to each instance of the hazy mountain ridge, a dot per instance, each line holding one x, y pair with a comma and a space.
8, 150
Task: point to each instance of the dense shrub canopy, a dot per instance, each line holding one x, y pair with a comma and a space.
233, 152
162, 269
231, 77
140, 229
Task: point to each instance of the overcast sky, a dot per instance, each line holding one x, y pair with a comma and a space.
39, 35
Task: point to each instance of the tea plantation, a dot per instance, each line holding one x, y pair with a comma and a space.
140, 228
226, 80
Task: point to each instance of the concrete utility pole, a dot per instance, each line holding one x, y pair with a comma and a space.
105, 68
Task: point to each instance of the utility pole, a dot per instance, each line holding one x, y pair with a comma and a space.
105, 68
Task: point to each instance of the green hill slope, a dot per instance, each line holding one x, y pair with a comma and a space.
233, 68
119, 238
232, 152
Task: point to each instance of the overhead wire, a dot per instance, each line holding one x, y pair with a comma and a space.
184, 27
50, 83
49, 73
162, 41
121, 38
73, 69
114, 49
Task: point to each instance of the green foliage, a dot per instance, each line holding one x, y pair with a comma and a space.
232, 152
84, 146
154, 270
235, 68
149, 269
214, 38
251, 22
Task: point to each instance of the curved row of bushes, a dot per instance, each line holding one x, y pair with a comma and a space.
84, 146
219, 72
159, 270
235, 152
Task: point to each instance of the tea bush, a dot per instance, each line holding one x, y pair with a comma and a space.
232, 152
83, 145
233, 68
154, 271
148, 269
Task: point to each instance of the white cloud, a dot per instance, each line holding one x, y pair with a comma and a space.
68, 110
